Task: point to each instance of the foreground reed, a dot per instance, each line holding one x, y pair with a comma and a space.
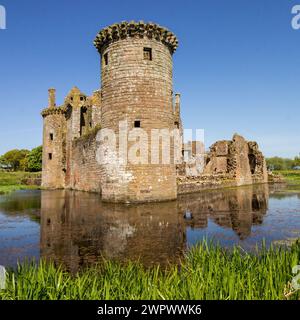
207, 272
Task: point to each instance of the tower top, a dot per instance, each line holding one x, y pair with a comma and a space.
141, 29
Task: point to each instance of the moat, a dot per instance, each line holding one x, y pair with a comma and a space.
77, 229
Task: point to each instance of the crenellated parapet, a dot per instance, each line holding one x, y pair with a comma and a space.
133, 29
55, 110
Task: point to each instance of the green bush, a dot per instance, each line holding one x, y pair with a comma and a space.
34, 159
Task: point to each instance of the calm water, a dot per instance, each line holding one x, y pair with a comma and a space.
76, 228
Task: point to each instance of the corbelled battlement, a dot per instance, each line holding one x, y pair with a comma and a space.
132, 29
57, 110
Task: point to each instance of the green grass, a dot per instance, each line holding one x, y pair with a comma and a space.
207, 272
12, 181
291, 176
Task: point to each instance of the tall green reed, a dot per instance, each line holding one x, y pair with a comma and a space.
207, 272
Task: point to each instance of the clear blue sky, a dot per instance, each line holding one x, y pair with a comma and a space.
237, 66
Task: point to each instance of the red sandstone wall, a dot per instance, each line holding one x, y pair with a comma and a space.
53, 175
86, 172
137, 89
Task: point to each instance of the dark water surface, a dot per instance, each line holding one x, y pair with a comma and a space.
77, 229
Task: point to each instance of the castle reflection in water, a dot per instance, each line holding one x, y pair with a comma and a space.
78, 229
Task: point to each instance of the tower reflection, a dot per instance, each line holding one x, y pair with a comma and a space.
78, 229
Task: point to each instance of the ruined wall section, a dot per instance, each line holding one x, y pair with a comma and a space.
233, 158
229, 163
258, 165
194, 184
86, 171
218, 160
239, 150
95, 102
82, 121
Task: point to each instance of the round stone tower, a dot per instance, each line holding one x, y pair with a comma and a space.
137, 94
53, 174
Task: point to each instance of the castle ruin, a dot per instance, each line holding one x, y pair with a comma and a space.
136, 95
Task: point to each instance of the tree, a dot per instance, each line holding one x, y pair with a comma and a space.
277, 163
297, 162
16, 158
34, 159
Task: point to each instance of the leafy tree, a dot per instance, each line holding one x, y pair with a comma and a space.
16, 158
277, 163
34, 159
297, 162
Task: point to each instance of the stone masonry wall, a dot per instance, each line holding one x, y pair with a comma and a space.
229, 163
53, 175
137, 89
86, 171
190, 184
237, 157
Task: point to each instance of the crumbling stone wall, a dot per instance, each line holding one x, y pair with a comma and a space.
257, 163
238, 158
228, 163
194, 184
86, 171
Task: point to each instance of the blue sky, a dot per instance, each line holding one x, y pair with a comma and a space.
237, 65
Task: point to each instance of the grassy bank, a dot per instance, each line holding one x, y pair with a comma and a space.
291, 176
208, 272
12, 181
